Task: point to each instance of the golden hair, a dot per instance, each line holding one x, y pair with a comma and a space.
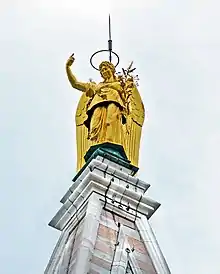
107, 64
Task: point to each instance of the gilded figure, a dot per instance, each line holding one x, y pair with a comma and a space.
110, 111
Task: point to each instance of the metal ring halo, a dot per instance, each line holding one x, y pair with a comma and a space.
102, 51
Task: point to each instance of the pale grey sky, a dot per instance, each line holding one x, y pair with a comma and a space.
175, 46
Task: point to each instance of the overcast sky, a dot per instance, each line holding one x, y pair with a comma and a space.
175, 46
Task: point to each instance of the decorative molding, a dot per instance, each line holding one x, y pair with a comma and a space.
118, 191
152, 246
107, 168
57, 253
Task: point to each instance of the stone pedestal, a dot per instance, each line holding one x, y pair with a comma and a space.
104, 223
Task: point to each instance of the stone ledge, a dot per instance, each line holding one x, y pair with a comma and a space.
106, 170
109, 190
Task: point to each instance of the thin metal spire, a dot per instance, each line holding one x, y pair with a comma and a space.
110, 39
109, 50
109, 26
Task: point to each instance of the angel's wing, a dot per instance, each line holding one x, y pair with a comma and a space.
135, 122
81, 131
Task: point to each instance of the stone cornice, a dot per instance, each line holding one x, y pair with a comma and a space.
118, 191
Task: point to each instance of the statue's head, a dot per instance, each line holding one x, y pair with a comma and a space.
107, 70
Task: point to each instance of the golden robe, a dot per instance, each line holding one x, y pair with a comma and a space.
105, 110
103, 115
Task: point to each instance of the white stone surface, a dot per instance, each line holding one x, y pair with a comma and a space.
95, 180
152, 246
104, 184
89, 235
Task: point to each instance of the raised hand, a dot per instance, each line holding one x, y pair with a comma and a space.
70, 60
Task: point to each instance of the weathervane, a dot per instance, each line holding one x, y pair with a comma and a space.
109, 48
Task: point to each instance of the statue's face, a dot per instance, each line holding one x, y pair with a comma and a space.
106, 72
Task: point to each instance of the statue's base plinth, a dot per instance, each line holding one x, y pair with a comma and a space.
110, 151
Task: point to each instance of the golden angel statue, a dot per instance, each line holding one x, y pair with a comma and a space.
110, 111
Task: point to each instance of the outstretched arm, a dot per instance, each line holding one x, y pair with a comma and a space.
73, 81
